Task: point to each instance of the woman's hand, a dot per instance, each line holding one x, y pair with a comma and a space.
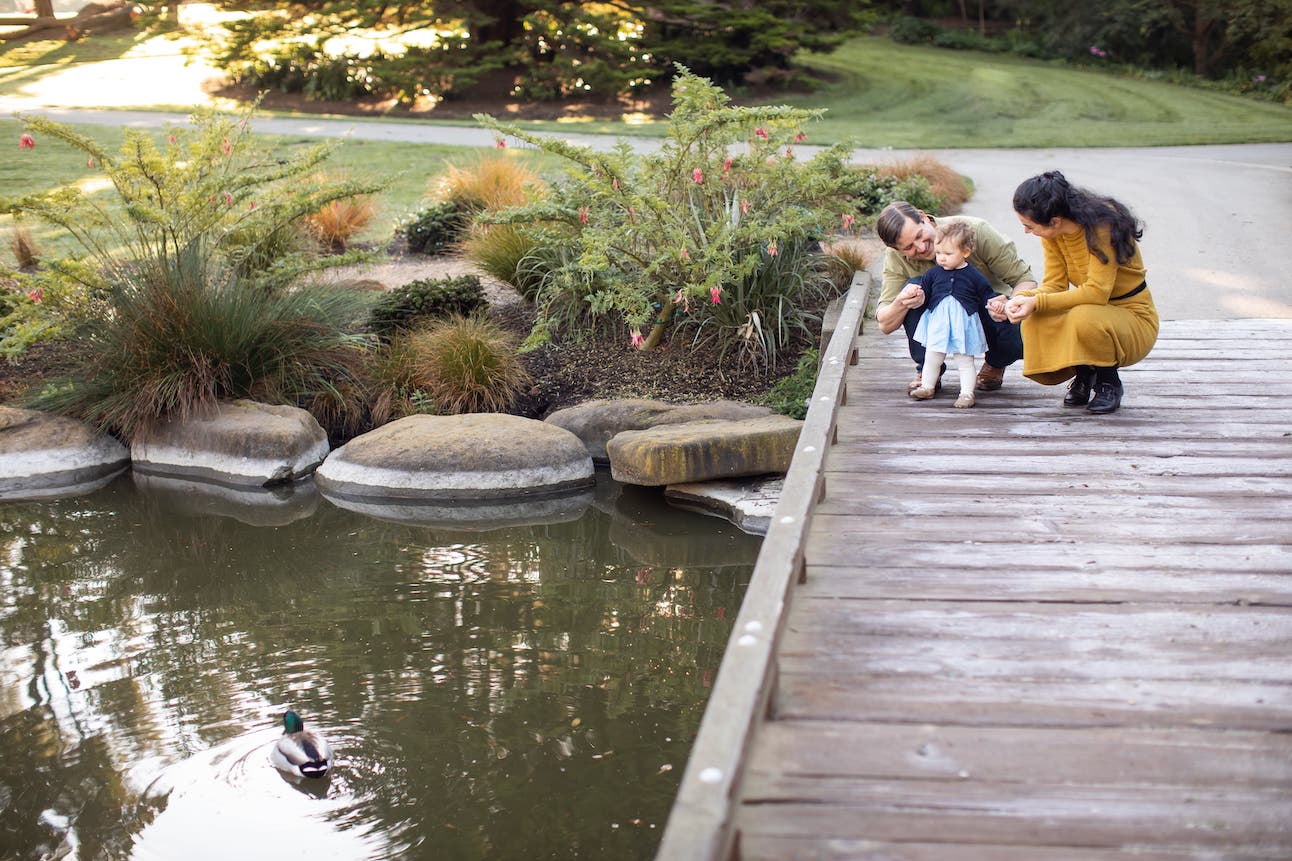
996, 309
1019, 308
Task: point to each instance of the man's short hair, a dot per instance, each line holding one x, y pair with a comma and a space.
959, 232
892, 220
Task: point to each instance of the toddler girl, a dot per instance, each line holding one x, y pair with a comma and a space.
951, 328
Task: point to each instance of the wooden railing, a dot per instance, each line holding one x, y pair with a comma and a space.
700, 825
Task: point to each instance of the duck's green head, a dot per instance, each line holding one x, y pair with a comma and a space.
292, 722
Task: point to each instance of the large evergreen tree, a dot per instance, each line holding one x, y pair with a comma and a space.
552, 48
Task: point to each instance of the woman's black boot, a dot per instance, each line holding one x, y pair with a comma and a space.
1108, 392
1079, 391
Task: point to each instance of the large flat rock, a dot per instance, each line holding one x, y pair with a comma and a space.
237, 443
703, 451
596, 422
473, 456
44, 455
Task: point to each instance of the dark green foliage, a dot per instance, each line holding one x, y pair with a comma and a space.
435, 229
913, 31
791, 394
871, 190
425, 298
554, 48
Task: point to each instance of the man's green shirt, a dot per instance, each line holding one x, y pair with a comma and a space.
994, 255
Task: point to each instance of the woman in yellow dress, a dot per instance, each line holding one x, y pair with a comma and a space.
1093, 312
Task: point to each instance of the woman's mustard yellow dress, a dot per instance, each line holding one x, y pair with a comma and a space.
1087, 312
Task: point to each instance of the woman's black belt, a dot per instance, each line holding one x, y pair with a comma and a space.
1143, 285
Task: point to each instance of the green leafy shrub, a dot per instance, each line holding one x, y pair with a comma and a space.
907, 30
771, 307
185, 331
791, 395
423, 298
435, 229
688, 226
207, 185
465, 365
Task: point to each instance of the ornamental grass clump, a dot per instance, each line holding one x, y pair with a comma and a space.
337, 223
487, 183
464, 365
702, 230
186, 331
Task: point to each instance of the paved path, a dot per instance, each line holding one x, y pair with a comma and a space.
1217, 217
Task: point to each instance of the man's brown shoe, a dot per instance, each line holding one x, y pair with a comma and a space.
989, 378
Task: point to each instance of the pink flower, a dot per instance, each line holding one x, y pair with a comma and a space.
726, 166
252, 206
26, 142
614, 183
760, 132
771, 249
1260, 79
789, 152
228, 199
636, 340
685, 255
800, 137
499, 143
744, 207
583, 215
682, 299
697, 176
170, 139
228, 147
36, 295
89, 162
1097, 51
715, 295
848, 220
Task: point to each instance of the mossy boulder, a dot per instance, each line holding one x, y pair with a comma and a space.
596, 422
703, 450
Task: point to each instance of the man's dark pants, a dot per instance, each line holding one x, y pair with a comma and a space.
1004, 340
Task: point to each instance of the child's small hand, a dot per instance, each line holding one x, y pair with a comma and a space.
996, 308
912, 296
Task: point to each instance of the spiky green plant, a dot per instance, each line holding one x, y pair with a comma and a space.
185, 330
687, 224
208, 186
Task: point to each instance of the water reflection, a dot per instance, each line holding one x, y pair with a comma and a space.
526, 692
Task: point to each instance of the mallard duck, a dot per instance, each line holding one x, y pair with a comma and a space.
299, 752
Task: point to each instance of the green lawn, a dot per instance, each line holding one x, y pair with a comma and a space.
881, 94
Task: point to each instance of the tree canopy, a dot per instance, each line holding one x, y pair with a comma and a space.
550, 48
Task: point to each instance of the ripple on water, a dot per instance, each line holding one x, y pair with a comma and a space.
230, 802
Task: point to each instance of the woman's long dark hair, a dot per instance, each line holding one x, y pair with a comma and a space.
1050, 196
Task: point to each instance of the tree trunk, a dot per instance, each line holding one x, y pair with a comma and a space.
503, 24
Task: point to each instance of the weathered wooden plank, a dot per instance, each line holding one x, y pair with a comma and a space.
1150, 758
991, 503
840, 579
930, 698
1178, 527
1105, 464
1015, 813
1220, 488
902, 551
1273, 446
1214, 627
822, 847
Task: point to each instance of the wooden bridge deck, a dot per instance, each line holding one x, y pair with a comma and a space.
1026, 633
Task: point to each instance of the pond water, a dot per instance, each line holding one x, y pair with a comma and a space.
523, 692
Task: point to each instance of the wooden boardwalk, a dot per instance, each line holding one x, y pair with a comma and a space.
1025, 633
